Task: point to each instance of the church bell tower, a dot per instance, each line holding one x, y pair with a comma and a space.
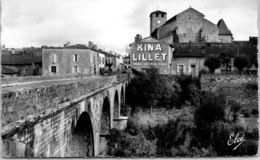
157, 19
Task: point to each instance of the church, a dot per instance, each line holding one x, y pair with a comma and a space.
189, 26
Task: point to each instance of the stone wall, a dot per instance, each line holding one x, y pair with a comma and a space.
234, 87
40, 122
17, 105
24, 79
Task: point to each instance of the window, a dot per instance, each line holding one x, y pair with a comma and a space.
180, 69
100, 60
156, 14
75, 69
162, 15
103, 60
193, 69
75, 57
53, 69
53, 58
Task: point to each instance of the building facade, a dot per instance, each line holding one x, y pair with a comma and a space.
188, 26
21, 65
151, 52
187, 65
60, 61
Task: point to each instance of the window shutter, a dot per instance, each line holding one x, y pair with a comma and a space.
178, 68
189, 68
54, 58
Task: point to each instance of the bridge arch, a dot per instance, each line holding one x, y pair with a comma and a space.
116, 105
122, 99
105, 117
82, 141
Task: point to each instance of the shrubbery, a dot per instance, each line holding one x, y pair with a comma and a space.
202, 130
151, 90
122, 144
212, 108
189, 89
240, 62
213, 62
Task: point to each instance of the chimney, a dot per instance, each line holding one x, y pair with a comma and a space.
90, 44
95, 46
138, 38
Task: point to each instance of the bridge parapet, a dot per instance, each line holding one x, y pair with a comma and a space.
24, 102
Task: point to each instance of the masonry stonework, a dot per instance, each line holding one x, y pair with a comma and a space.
41, 123
234, 87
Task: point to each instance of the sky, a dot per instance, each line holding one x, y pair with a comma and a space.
111, 24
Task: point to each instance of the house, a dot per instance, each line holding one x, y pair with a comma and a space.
126, 61
187, 64
21, 64
189, 26
101, 61
111, 62
69, 60
150, 52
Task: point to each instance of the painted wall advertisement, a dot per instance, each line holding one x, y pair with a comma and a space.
147, 54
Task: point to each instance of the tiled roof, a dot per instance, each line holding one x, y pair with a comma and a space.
188, 55
190, 9
8, 71
20, 59
222, 28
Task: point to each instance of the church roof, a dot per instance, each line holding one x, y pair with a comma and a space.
187, 10
190, 9
158, 11
222, 28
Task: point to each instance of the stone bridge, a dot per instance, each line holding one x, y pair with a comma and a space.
61, 118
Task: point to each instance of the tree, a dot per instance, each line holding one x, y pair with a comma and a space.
212, 108
240, 62
212, 62
226, 60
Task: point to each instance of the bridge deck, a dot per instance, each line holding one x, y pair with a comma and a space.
38, 84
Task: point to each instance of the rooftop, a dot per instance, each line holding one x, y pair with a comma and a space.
20, 59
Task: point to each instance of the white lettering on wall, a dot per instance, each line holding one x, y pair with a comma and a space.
156, 56
143, 57
139, 47
158, 47
149, 47
164, 56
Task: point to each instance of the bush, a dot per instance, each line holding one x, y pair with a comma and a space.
246, 114
255, 111
204, 71
252, 86
124, 145
125, 110
240, 62
132, 127
189, 89
235, 108
249, 147
212, 108
152, 90
212, 62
